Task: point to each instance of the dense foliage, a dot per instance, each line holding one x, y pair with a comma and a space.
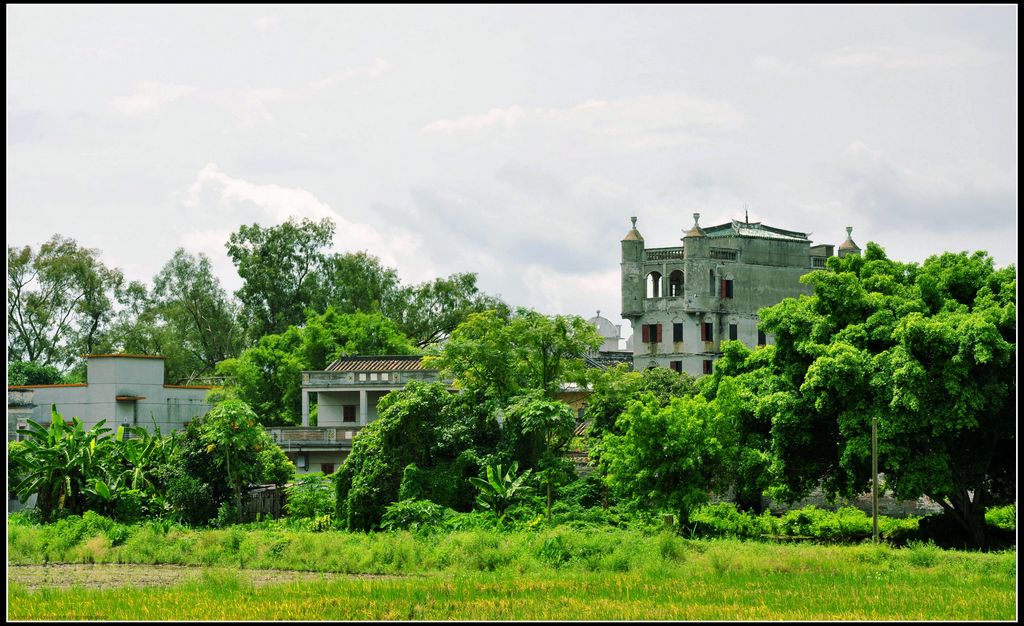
268, 376
425, 443
929, 351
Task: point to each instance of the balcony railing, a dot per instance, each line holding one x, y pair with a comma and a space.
663, 254
360, 379
306, 437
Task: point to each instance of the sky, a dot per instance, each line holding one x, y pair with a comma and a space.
511, 141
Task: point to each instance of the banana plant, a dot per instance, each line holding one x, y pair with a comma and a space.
58, 463
500, 491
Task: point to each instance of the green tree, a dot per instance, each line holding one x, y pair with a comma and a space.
614, 388
425, 443
541, 426
929, 351
195, 309
268, 375
500, 356
355, 281
60, 301
27, 373
312, 495
667, 456
233, 434
500, 491
280, 267
429, 312
741, 378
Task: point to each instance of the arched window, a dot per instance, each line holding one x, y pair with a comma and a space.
675, 283
654, 285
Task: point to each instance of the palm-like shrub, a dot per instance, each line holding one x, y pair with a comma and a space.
61, 463
500, 491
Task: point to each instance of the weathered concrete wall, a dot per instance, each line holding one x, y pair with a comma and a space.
763, 271
167, 407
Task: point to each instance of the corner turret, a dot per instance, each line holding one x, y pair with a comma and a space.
848, 247
632, 279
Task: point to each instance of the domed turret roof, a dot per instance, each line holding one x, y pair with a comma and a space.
633, 234
605, 328
848, 244
696, 231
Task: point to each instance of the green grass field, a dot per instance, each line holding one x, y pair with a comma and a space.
552, 574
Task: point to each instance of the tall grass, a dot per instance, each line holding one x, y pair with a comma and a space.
722, 580
552, 573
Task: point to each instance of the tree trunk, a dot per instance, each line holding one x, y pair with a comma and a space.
969, 513
236, 488
549, 496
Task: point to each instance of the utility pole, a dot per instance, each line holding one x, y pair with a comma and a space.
874, 480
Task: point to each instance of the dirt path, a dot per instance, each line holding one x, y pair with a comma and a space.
104, 576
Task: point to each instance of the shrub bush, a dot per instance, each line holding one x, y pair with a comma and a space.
414, 516
191, 500
129, 506
311, 495
1004, 517
725, 520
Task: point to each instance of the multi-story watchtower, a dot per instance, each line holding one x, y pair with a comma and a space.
684, 301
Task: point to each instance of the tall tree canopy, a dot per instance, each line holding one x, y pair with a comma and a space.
279, 266
60, 302
288, 272
502, 355
268, 376
201, 318
928, 350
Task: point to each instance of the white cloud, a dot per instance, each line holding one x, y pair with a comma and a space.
150, 97
634, 123
774, 65
500, 117
378, 68
927, 56
555, 292
266, 22
278, 203
895, 197
214, 193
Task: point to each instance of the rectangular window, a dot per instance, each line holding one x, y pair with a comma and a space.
327, 468
677, 366
348, 413
651, 333
711, 281
707, 332
707, 366
677, 331
733, 331
726, 289
762, 339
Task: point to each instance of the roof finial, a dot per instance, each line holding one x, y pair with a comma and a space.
633, 219
696, 216
849, 229
599, 312
746, 216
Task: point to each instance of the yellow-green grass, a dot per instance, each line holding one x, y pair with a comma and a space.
556, 574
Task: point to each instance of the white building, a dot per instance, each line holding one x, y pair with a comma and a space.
120, 388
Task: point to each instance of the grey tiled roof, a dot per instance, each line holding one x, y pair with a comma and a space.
754, 229
377, 364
